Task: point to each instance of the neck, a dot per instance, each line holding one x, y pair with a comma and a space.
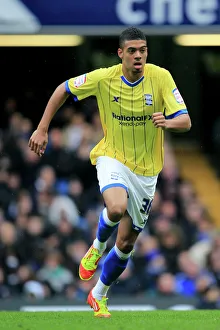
132, 77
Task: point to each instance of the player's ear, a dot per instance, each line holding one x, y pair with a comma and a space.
120, 53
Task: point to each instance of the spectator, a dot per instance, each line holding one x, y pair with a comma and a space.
63, 208
54, 274
190, 276
166, 285
171, 244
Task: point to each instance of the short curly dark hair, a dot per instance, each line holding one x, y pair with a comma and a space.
131, 33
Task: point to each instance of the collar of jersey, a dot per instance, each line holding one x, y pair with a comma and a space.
132, 84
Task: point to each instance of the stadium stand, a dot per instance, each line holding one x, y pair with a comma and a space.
49, 210
195, 167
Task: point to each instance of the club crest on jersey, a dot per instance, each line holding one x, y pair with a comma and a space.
79, 81
148, 99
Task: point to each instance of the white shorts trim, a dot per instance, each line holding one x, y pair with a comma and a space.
140, 189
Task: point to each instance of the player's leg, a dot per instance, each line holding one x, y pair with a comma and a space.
117, 258
116, 204
114, 264
141, 191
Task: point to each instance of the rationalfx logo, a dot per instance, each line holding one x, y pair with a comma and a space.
131, 120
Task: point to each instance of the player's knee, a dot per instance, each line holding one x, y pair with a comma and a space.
116, 212
125, 245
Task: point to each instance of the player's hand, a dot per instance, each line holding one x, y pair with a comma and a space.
38, 142
159, 120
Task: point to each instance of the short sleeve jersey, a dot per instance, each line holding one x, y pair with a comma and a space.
126, 114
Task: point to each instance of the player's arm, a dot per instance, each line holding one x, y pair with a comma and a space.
39, 139
178, 124
79, 87
175, 117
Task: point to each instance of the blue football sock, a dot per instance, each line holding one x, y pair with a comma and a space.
104, 231
112, 267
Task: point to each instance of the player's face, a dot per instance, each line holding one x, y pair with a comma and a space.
134, 56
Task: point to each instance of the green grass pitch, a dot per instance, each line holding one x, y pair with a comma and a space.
153, 320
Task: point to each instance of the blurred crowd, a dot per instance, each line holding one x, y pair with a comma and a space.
49, 209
